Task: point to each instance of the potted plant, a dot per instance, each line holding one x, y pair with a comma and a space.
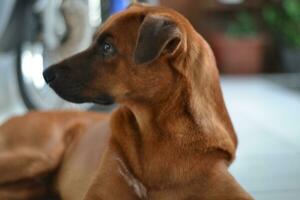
283, 18
239, 48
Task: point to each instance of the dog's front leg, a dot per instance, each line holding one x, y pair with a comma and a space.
24, 163
27, 189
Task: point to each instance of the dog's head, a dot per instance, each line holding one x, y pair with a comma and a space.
130, 59
146, 55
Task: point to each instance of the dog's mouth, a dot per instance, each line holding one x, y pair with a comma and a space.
74, 94
68, 92
70, 95
104, 99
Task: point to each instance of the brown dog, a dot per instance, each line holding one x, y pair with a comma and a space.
171, 138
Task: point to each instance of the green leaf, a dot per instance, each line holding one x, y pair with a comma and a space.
243, 26
292, 9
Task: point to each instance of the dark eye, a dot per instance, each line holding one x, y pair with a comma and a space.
107, 49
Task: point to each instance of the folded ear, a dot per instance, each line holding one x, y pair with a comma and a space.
157, 34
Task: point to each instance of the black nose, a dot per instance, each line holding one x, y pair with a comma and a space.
49, 75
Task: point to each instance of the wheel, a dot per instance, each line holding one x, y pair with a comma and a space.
57, 30
35, 93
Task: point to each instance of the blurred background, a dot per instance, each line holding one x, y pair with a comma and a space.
257, 47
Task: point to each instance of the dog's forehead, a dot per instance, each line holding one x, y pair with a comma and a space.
133, 15
118, 20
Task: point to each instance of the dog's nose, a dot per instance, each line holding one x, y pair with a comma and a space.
49, 75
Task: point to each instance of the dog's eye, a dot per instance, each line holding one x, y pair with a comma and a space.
107, 49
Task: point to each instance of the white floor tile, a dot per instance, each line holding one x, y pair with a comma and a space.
278, 195
268, 172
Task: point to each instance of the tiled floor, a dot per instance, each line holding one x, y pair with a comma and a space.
267, 120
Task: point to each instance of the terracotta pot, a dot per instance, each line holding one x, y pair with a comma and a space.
238, 55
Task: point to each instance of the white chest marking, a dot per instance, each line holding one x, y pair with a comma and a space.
133, 182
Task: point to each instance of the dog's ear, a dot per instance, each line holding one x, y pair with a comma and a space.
157, 34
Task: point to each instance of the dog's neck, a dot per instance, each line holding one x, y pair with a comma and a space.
194, 110
170, 128
192, 121
166, 128
160, 117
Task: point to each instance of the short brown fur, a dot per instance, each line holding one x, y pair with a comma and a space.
170, 138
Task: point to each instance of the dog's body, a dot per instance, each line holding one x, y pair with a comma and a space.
36, 144
171, 138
